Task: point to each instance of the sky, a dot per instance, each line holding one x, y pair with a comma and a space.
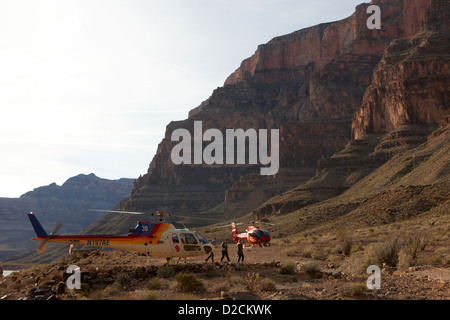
88, 86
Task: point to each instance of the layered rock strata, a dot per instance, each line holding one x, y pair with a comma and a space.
411, 85
307, 84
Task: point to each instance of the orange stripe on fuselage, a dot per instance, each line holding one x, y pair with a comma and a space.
110, 240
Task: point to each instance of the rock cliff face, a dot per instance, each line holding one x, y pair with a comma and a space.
407, 98
308, 84
411, 84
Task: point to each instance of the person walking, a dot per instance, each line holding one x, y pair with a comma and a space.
211, 255
240, 247
225, 250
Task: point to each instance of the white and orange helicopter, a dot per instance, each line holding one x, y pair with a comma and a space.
158, 239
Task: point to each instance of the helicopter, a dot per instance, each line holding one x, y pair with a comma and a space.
253, 235
158, 239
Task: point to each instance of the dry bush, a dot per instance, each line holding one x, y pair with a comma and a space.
211, 271
252, 281
387, 252
354, 289
319, 255
290, 252
288, 268
154, 283
188, 282
165, 272
345, 236
311, 268
358, 262
307, 252
412, 244
268, 285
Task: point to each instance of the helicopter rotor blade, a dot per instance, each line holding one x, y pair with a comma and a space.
228, 225
42, 245
263, 222
192, 217
117, 211
159, 213
58, 226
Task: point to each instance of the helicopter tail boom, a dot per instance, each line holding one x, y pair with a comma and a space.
235, 235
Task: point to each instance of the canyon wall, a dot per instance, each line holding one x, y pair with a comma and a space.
411, 84
307, 84
408, 97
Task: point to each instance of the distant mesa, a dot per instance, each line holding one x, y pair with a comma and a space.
68, 203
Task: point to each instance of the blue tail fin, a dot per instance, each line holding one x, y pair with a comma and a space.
143, 228
40, 232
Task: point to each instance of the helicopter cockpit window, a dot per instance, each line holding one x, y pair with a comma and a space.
188, 238
257, 234
175, 238
200, 238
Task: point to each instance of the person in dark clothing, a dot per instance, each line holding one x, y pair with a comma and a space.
225, 250
240, 251
211, 255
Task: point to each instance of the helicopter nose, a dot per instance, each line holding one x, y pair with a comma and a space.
207, 247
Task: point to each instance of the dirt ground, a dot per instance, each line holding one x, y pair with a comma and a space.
263, 275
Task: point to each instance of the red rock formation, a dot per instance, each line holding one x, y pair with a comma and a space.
321, 44
407, 98
411, 84
307, 83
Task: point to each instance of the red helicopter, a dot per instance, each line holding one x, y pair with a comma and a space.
254, 235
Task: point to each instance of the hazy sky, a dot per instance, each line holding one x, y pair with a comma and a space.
89, 86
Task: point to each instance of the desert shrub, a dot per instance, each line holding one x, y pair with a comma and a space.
123, 279
268, 285
346, 238
288, 268
436, 261
112, 290
232, 279
211, 271
358, 262
252, 280
357, 248
412, 244
312, 269
290, 252
165, 272
188, 282
319, 255
307, 252
355, 289
388, 251
154, 283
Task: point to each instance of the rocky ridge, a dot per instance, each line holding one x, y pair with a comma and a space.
68, 204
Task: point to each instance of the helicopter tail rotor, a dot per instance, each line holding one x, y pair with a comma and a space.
42, 245
43, 237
